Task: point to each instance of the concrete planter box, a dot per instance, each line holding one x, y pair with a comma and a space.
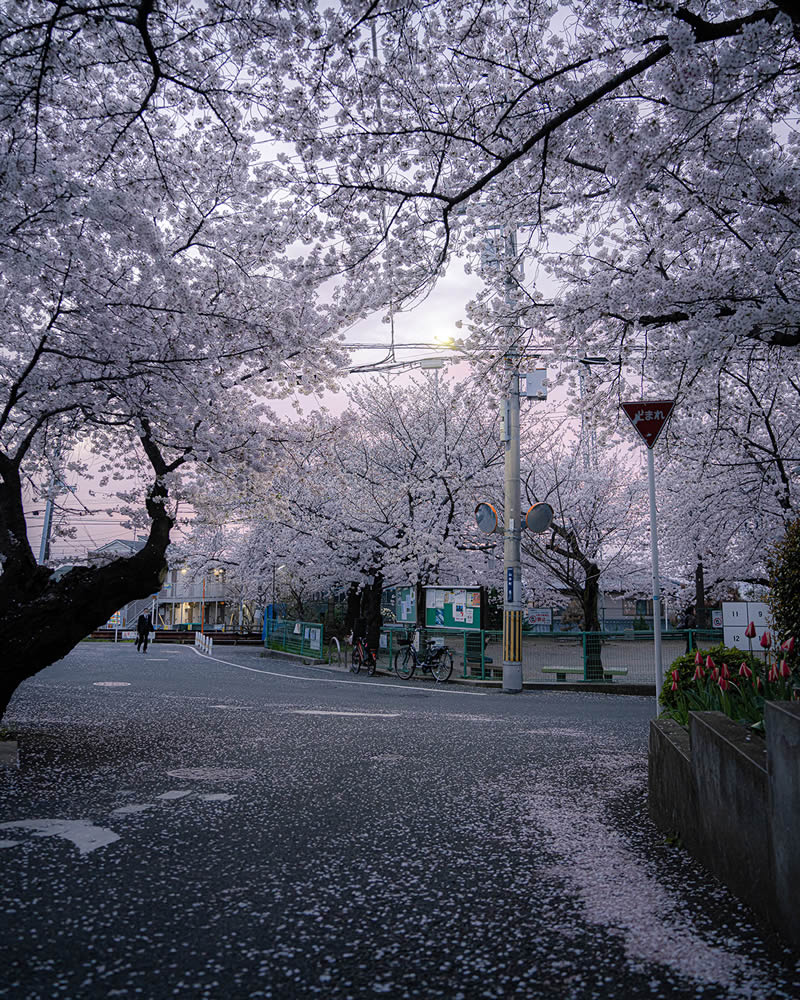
734, 801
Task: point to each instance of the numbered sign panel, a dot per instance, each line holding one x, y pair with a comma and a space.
737, 615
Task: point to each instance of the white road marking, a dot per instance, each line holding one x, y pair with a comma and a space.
333, 680
111, 684
131, 809
85, 836
213, 773
358, 715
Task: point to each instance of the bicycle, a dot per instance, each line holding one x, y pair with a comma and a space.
438, 659
362, 656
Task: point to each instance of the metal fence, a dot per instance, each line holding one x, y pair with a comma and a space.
626, 656
303, 638
561, 656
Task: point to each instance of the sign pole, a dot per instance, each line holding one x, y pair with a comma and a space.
659, 667
649, 417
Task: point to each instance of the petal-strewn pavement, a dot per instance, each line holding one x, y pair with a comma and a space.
181, 826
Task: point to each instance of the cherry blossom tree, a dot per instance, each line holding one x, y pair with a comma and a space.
729, 485
150, 285
645, 150
382, 494
645, 157
599, 530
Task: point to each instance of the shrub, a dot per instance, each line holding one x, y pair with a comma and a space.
741, 697
783, 567
685, 665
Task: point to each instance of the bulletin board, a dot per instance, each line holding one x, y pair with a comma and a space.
406, 605
453, 607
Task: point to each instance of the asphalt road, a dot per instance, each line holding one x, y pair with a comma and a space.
234, 827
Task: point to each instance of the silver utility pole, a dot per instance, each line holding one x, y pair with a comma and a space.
47, 524
512, 601
44, 544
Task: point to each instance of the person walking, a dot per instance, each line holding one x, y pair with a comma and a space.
144, 626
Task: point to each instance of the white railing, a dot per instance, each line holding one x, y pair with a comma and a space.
131, 611
204, 643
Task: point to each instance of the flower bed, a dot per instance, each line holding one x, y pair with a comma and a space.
726, 679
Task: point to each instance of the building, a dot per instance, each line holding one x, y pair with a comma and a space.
188, 599
117, 548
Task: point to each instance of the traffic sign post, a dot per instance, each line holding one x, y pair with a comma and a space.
649, 417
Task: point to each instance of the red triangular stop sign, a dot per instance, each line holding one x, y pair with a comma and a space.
648, 416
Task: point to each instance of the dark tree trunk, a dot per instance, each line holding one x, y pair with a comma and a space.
700, 596
45, 625
353, 608
591, 623
42, 619
371, 610
590, 599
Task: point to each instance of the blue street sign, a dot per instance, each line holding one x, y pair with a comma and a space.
510, 584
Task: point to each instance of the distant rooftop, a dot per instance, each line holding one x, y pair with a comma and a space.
118, 547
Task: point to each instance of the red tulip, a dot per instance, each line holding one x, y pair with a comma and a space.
772, 676
723, 683
724, 672
698, 657
715, 674
785, 670
745, 671
750, 631
758, 683
766, 640
709, 663
788, 645
698, 673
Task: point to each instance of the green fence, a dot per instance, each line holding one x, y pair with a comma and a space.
303, 638
561, 656
589, 657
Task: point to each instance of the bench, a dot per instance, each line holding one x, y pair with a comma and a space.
472, 646
561, 672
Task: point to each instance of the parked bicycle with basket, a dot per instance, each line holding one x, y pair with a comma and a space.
437, 658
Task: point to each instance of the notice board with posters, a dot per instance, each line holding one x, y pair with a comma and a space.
454, 607
405, 607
